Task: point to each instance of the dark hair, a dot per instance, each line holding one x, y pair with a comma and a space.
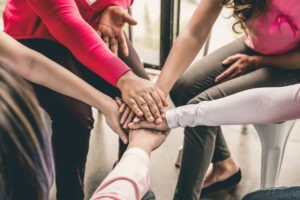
243, 10
26, 168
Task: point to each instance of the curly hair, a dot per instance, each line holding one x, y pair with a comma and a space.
243, 10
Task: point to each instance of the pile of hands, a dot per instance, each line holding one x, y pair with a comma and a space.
139, 118
141, 110
133, 126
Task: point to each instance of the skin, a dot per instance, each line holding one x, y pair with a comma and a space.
146, 139
142, 96
110, 28
184, 51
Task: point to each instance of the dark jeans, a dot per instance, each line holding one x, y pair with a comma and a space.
72, 120
284, 193
205, 144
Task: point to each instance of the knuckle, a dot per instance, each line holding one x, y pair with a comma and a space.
156, 113
143, 104
132, 103
152, 103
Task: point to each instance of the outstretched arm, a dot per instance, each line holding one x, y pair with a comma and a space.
130, 178
255, 106
67, 26
188, 43
38, 69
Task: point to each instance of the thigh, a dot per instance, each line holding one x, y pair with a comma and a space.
263, 77
201, 75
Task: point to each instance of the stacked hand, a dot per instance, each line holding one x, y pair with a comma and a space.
143, 134
146, 139
143, 98
110, 27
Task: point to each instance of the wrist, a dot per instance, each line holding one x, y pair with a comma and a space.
107, 106
163, 88
257, 61
142, 146
125, 78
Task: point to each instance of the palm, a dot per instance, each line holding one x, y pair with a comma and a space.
111, 23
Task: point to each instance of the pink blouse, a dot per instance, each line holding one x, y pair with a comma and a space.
276, 31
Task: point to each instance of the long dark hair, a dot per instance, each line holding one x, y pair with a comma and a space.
243, 10
26, 168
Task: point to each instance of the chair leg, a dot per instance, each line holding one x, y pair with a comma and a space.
179, 157
273, 141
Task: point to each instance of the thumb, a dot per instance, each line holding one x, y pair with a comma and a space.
142, 124
119, 101
123, 136
163, 98
231, 59
129, 19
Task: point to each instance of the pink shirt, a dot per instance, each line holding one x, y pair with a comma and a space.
276, 31
71, 23
129, 180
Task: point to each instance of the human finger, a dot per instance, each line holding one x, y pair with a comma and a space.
123, 136
142, 124
123, 44
129, 19
145, 109
125, 115
225, 74
129, 119
119, 101
122, 108
106, 40
231, 59
154, 108
99, 33
114, 45
158, 98
137, 119
134, 107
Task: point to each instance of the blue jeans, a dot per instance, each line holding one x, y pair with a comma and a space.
283, 193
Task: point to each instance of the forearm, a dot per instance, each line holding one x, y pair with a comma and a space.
51, 75
289, 60
256, 106
41, 70
181, 56
128, 180
189, 43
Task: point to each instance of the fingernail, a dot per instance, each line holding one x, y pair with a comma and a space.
151, 119
158, 120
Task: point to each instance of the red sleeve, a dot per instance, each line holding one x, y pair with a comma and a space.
104, 3
65, 23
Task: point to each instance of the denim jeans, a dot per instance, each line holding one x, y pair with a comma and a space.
283, 193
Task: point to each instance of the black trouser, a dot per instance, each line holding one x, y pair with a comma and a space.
204, 144
72, 120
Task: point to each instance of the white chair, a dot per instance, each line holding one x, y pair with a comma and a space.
273, 139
